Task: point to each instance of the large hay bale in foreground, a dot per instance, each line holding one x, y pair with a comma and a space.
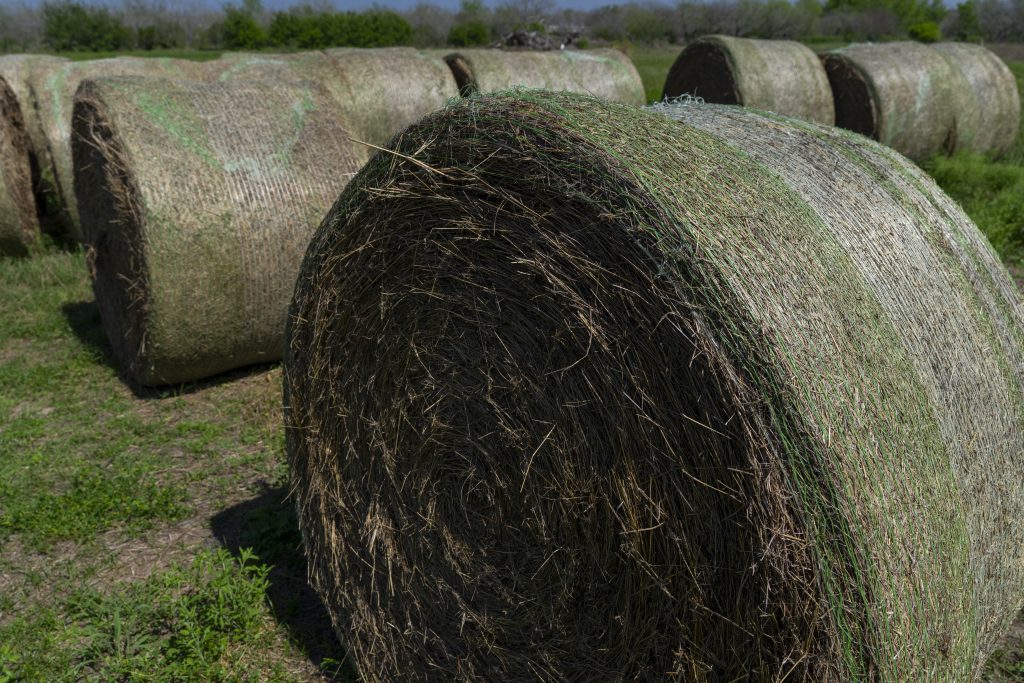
20, 71
902, 94
782, 76
198, 201
988, 111
607, 74
19, 225
577, 391
54, 93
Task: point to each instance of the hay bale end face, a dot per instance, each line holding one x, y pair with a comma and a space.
54, 92
902, 94
578, 391
19, 224
988, 115
198, 201
607, 74
781, 76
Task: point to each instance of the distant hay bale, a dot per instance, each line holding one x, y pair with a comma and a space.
607, 74
19, 225
901, 94
379, 91
198, 201
580, 391
988, 117
782, 76
20, 71
391, 88
54, 92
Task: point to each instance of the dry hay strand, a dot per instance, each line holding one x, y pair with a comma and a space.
54, 93
988, 111
902, 94
19, 224
198, 201
606, 74
781, 76
580, 391
20, 71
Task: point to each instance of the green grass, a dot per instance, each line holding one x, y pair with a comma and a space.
194, 55
99, 485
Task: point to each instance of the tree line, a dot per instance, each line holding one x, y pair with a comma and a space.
72, 25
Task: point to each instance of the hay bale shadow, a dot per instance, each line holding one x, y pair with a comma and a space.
267, 524
83, 317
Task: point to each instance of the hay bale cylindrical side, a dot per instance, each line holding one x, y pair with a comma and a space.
20, 71
19, 224
54, 93
607, 74
580, 391
782, 76
388, 89
197, 203
988, 111
902, 94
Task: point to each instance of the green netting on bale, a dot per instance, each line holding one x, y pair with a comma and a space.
54, 92
903, 94
577, 391
19, 226
198, 201
988, 105
607, 74
781, 76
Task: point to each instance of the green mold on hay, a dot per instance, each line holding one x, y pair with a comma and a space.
54, 94
198, 201
782, 76
580, 391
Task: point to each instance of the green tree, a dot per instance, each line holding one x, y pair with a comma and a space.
240, 29
469, 34
70, 26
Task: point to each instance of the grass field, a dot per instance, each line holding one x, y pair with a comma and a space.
150, 537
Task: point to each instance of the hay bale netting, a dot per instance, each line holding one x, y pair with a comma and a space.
576, 391
379, 91
19, 225
902, 94
20, 71
782, 76
607, 74
54, 94
198, 201
988, 117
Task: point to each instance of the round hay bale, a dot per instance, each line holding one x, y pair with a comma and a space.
782, 76
388, 89
20, 71
19, 225
579, 391
54, 94
901, 94
988, 117
198, 201
379, 91
607, 74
